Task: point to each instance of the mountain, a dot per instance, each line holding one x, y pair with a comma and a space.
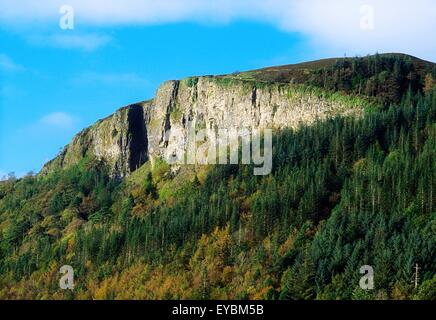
136, 133
352, 184
275, 98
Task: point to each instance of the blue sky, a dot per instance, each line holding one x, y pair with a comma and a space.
54, 82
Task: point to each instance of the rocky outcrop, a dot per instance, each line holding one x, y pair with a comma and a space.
137, 133
220, 102
120, 140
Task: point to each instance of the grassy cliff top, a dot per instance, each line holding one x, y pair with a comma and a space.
384, 76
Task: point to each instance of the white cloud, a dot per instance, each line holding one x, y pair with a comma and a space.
109, 79
60, 120
86, 42
7, 64
400, 25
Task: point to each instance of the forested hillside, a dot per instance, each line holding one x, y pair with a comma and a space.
343, 192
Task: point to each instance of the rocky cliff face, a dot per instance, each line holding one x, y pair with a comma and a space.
120, 140
136, 133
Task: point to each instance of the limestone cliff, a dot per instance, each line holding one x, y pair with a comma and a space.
136, 133
120, 140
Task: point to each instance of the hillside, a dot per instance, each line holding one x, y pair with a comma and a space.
384, 76
275, 98
352, 183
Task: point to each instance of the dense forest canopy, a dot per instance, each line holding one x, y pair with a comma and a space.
343, 193
386, 77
